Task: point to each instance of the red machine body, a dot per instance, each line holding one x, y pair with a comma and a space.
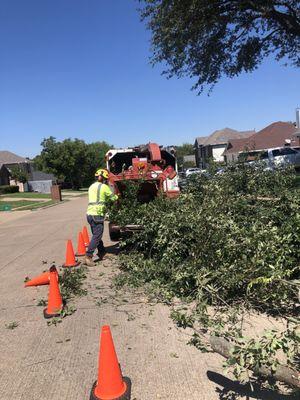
154, 166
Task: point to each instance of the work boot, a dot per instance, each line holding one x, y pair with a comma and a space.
89, 261
101, 255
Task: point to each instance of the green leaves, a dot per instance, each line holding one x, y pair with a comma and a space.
182, 320
185, 149
72, 161
12, 325
207, 39
19, 174
253, 354
230, 242
229, 229
72, 281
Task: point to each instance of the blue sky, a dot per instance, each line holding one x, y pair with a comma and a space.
74, 68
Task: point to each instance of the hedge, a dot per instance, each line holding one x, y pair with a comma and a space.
8, 189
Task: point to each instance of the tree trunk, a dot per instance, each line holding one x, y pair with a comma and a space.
283, 373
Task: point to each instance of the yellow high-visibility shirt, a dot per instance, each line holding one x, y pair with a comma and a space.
99, 195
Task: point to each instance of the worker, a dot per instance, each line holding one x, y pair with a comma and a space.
100, 195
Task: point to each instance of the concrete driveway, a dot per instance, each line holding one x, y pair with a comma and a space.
60, 362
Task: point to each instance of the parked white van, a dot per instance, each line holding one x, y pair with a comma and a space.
279, 156
193, 170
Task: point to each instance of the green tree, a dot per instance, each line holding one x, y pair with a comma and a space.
189, 164
72, 161
96, 158
207, 39
186, 149
19, 174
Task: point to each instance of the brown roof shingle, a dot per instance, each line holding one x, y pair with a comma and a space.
273, 135
7, 157
222, 136
200, 140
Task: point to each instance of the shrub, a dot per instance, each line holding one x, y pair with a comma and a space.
4, 189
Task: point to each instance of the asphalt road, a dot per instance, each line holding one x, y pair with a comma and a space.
60, 362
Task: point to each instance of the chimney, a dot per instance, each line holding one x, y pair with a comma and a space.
297, 133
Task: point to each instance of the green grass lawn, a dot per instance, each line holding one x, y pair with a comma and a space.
39, 205
64, 195
71, 191
18, 203
21, 205
27, 195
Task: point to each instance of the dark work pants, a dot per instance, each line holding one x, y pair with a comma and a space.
97, 226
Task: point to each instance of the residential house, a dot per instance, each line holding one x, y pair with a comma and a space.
278, 134
11, 160
4, 175
37, 181
198, 149
212, 147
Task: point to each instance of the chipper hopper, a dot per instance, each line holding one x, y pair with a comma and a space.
153, 166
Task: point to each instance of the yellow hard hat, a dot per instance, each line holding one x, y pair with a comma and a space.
102, 172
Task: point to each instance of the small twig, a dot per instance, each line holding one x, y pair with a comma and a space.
39, 362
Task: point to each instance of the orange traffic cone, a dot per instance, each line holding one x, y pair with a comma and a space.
70, 257
85, 235
55, 304
42, 279
80, 245
110, 384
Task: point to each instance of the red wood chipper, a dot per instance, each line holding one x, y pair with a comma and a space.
153, 166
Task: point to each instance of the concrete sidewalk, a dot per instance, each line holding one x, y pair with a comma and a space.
40, 362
